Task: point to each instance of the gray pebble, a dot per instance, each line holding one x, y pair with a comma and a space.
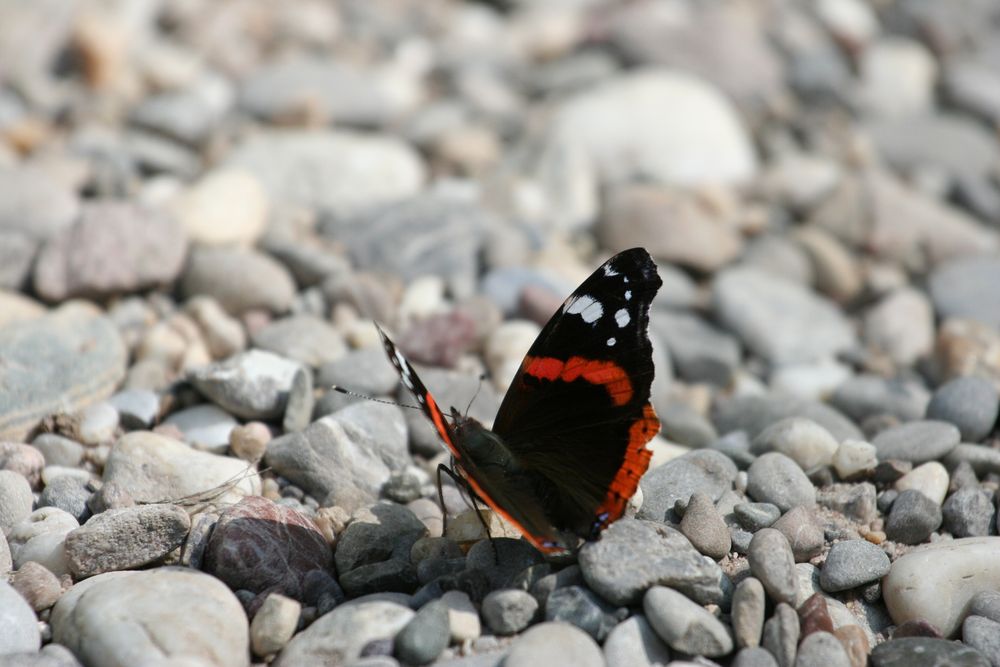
252, 385
983, 634
15, 499
299, 405
509, 611
983, 460
781, 634
634, 643
772, 562
853, 563
803, 533
926, 651
554, 644
206, 426
365, 371
685, 625
754, 657
913, 518
754, 516
748, 612
777, 479
855, 501
986, 603
700, 352
137, 408
581, 607
821, 649
964, 288
18, 626
501, 559
238, 279
707, 471
969, 512
865, 396
705, 528
58, 450
304, 338
755, 412
971, 403
916, 441
69, 494
427, 634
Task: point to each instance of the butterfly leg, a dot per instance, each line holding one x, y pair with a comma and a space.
463, 484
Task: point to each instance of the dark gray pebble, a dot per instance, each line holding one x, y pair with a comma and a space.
913, 518
852, 563
970, 403
427, 634
926, 652
969, 512
916, 441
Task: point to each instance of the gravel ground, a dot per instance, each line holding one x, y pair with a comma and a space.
204, 204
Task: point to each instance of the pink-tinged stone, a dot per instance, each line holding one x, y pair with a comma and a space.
259, 545
22, 459
441, 339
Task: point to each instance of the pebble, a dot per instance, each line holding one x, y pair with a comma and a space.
37, 585
240, 280
301, 402
41, 538
699, 351
364, 371
855, 458
704, 527
864, 396
18, 626
252, 385
274, 624
580, 607
249, 441
754, 516
84, 360
926, 651
554, 644
205, 426
917, 442
931, 479
223, 334
633, 642
68, 494
981, 634
913, 517
821, 649
897, 78
224, 207
775, 478
960, 289
685, 625
969, 512
344, 633
772, 562
835, 269
970, 403
16, 500
349, 170
304, 338
803, 440
509, 611
748, 612
425, 636
168, 613
114, 247
26, 460
137, 408
901, 326
935, 582
376, 534
781, 634
985, 603
778, 320
97, 424
258, 545
463, 618
139, 535
852, 563
755, 412
633, 555
705, 471
754, 657
36, 204
802, 531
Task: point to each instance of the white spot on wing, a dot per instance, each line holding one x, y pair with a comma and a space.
609, 272
587, 308
622, 318
628, 295
611, 342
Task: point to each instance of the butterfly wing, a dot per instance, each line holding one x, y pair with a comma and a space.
577, 414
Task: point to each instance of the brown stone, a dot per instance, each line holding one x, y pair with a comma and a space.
814, 616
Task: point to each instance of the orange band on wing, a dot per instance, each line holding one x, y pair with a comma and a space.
626, 481
605, 373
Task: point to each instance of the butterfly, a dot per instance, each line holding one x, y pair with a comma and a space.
568, 445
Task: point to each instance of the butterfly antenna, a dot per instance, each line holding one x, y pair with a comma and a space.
482, 377
343, 390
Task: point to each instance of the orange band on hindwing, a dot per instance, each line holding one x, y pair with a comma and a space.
608, 374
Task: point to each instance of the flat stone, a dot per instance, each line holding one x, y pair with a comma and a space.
970, 403
803, 440
917, 442
61, 362
685, 625
307, 339
205, 426
253, 385
224, 207
705, 471
238, 279
754, 516
935, 582
634, 643
853, 563
926, 651
775, 478
554, 643
163, 614
863, 396
772, 562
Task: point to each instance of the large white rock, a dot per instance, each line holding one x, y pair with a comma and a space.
935, 582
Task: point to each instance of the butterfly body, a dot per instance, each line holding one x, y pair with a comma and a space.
567, 447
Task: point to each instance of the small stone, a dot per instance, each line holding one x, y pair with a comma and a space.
68, 494
18, 626
821, 649
684, 625
836, 271
864, 396
855, 643
239, 280
37, 585
803, 440
931, 479
300, 403
427, 634
804, 535
969, 512
58, 450
926, 651
509, 611
16, 500
814, 615
634, 643
274, 624
582, 608
982, 634
205, 426
970, 403
772, 562
754, 516
700, 352
960, 289
777, 479
253, 385
901, 326
748, 612
137, 408
41, 538
223, 334
754, 657
553, 644
855, 458
781, 634
703, 525
755, 412
225, 207
307, 339
708, 471
853, 563
249, 441
463, 619
917, 442
913, 518
897, 77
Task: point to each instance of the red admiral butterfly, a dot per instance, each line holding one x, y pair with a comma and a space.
568, 445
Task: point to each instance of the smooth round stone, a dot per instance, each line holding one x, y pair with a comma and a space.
926, 651
704, 527
252, 385
16, 499
913, 518
935, 582
427, 634
58, 450
802, 440
748, 612
225, 207
855, 458
249, 441
864, 396
969, 512
634, 643
463, 618
85, 361
986, 603
897, 78
962, 288
917, 441
239, 279
982, 634
781, 633
774, 478
971, 403
37, 585
137, 408
684, 625
778, 320
223, 334
755, 412
704, 470
553, 644
97, 423
812, 380
754, 657
307, 339
581, 607
18, 626
802, 531
821, 649
35, 203
6, 559
754, 516
852, 563
509, 611
901, 326
364, 371
42, 538
205, 426
931, 479
159, 614
274, 624
68, 494
772, 562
